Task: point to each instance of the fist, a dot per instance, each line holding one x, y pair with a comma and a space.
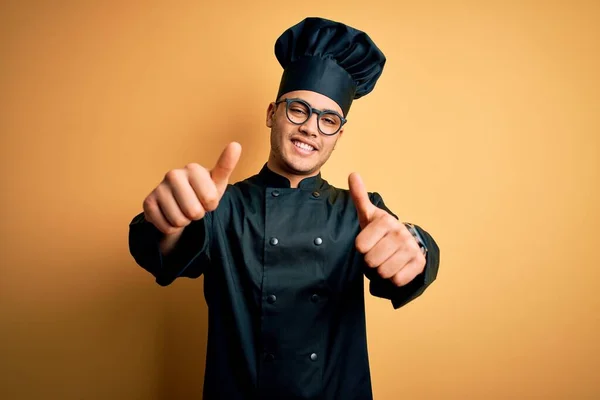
386, 243
186, 194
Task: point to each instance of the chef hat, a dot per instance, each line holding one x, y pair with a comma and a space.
330, 58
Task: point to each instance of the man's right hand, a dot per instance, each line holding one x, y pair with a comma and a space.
187, 194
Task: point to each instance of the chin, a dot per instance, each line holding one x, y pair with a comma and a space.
302, 167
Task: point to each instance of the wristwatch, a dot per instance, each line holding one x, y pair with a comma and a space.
413, 231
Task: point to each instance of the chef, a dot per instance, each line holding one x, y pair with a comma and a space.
283, 252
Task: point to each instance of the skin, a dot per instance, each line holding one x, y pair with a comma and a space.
187, 194
385, 242
284, 157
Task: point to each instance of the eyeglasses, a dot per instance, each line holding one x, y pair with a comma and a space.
299, 111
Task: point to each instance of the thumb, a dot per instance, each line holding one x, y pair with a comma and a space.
359, 194
225, 165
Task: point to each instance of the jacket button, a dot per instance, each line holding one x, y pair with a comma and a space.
316, 195
271, 298
313, 357
274, 241
275, 193
269, 357
318, 241
314, 298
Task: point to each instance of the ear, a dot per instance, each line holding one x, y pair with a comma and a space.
271, 115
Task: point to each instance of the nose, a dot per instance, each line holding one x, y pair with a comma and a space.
310, 127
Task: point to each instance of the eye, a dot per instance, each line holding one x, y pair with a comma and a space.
298, 110
330, 119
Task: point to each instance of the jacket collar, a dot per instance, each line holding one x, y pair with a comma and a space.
268, 178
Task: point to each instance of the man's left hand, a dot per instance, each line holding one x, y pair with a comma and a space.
386, 243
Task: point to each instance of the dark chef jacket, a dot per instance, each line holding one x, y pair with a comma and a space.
284, 287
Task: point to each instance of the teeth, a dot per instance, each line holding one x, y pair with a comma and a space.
303, 146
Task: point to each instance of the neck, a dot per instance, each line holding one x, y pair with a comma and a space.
293, 178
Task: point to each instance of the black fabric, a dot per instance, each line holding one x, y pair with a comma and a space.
330, 58
286, 316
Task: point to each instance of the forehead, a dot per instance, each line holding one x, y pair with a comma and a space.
317, 100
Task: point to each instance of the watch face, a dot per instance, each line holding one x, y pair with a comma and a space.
413, 231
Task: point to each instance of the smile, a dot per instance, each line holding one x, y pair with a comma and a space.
303, 146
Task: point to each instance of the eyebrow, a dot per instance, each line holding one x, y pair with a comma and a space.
320, 109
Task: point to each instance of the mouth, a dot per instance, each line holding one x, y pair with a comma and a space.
303, 147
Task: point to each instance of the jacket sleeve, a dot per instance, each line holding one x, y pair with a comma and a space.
189, 258
401, 295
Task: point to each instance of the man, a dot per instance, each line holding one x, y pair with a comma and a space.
283, 253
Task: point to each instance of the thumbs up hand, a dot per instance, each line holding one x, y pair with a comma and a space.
386, 243
186, 194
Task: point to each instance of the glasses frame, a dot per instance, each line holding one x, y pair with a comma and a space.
311, 111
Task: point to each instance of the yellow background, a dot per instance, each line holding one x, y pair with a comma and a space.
484, 129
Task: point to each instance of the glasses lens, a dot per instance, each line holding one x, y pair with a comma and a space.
330, 123
298, 112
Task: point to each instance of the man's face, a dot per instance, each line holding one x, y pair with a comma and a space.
301, 149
